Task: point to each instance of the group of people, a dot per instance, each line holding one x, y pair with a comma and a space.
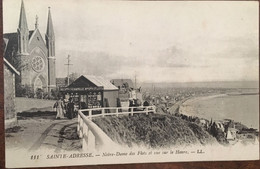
64, 109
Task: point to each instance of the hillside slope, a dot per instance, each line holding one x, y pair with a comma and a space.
153, 131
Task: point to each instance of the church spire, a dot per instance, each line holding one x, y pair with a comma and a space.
50, 39
50, 44
50, 31
23, 21
23, 33
36, 22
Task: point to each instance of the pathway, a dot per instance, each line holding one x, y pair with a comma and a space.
41, 133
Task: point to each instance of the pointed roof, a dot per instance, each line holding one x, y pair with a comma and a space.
23, 21
12, 45
101, 82
93, 81
11, 67
120, 82
50, 30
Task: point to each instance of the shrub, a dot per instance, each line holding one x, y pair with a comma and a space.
24, 91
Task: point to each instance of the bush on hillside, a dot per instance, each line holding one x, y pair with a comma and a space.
153, 131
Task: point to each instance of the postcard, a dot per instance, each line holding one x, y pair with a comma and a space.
114, 82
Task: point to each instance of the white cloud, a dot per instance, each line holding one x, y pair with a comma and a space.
160, 41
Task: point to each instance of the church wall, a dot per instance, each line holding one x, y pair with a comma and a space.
37, 54
23, 67
37, 41
51, 62
52, 73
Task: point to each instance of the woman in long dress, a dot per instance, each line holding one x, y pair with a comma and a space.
59, 105
70, 109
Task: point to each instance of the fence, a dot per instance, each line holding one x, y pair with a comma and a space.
92, 136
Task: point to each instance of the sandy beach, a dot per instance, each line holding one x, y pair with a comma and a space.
241, 108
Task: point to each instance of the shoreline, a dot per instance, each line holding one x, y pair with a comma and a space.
206, 97
185, 108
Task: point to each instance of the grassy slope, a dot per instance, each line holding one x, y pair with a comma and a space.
153, 131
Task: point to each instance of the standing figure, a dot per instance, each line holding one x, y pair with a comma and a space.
146, 103
59, 105
70, 109
65, 110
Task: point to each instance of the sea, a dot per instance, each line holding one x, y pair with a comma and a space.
240, 108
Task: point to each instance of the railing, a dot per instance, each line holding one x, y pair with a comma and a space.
92, 136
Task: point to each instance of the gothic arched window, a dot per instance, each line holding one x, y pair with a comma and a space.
37, 84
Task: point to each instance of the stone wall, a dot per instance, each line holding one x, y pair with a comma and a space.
9, 93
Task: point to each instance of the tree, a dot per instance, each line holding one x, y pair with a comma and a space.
72, 77
24, 91
39, 93
54, 94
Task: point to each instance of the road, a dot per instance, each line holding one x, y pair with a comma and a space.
37, 133
175, 108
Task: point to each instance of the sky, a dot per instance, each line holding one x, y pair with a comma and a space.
154, 41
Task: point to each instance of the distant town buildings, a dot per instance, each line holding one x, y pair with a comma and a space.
61, 82
248, 134
128, 93
123, 84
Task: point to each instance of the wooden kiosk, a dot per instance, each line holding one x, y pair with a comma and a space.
91, 92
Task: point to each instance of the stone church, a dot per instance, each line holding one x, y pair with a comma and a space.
31, 55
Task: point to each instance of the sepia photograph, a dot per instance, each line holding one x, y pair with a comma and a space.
115, 82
